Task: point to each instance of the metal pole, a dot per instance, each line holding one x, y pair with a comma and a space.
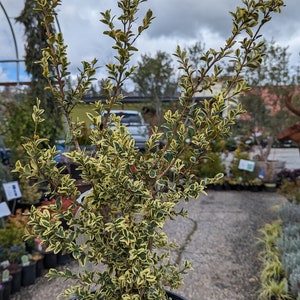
57, 23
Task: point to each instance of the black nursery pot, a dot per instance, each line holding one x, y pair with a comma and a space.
174, 296
29, 274
6, 290
40, 267
1, 292
16, 281
171, 295
15, 270
50, 260
63, 259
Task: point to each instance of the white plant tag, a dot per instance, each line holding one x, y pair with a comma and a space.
25, 260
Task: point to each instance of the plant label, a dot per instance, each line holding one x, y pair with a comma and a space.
25, 260
5, 276
246, 165
4, 210
12, 190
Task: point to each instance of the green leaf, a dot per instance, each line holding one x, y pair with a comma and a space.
169, 157
152, 173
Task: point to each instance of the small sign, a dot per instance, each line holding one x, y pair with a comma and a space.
4, 210
5, 276
4, 264
246, 165
12, 190
25, 260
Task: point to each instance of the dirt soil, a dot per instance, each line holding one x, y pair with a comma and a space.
220, 239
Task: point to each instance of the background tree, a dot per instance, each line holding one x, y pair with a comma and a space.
271, 83
195, 52
16, 121
35, 42
155, 78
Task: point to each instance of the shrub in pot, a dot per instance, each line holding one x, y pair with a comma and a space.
117, 232
14, 255
11, 241
211, 165
13, 247
240, 177
31, 194
28, 270
38, 257
6, 281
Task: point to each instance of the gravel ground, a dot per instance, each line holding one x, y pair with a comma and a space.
219, 238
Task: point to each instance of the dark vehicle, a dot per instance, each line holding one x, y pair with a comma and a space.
4, 152
136, 126
285, 144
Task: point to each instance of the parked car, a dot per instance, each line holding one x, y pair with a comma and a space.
5, 152
136, 126
285, 144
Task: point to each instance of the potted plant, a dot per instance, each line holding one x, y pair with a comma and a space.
255, 185
269, 175
15, 267
16, 224
31, 194
51, 259
38, 257
28, 270
289, 185
240, 178
11, 237
11, 241
6, 281
116, 229
268, 170
212, 165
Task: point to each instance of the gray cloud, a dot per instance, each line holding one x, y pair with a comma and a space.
176, 22
186, 18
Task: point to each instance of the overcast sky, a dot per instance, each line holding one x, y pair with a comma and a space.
177, 22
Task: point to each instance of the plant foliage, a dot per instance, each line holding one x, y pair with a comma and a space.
119, 223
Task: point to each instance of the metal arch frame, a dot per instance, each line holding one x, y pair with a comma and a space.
17, 60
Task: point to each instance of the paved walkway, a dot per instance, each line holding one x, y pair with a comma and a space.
219, 238
223, 248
